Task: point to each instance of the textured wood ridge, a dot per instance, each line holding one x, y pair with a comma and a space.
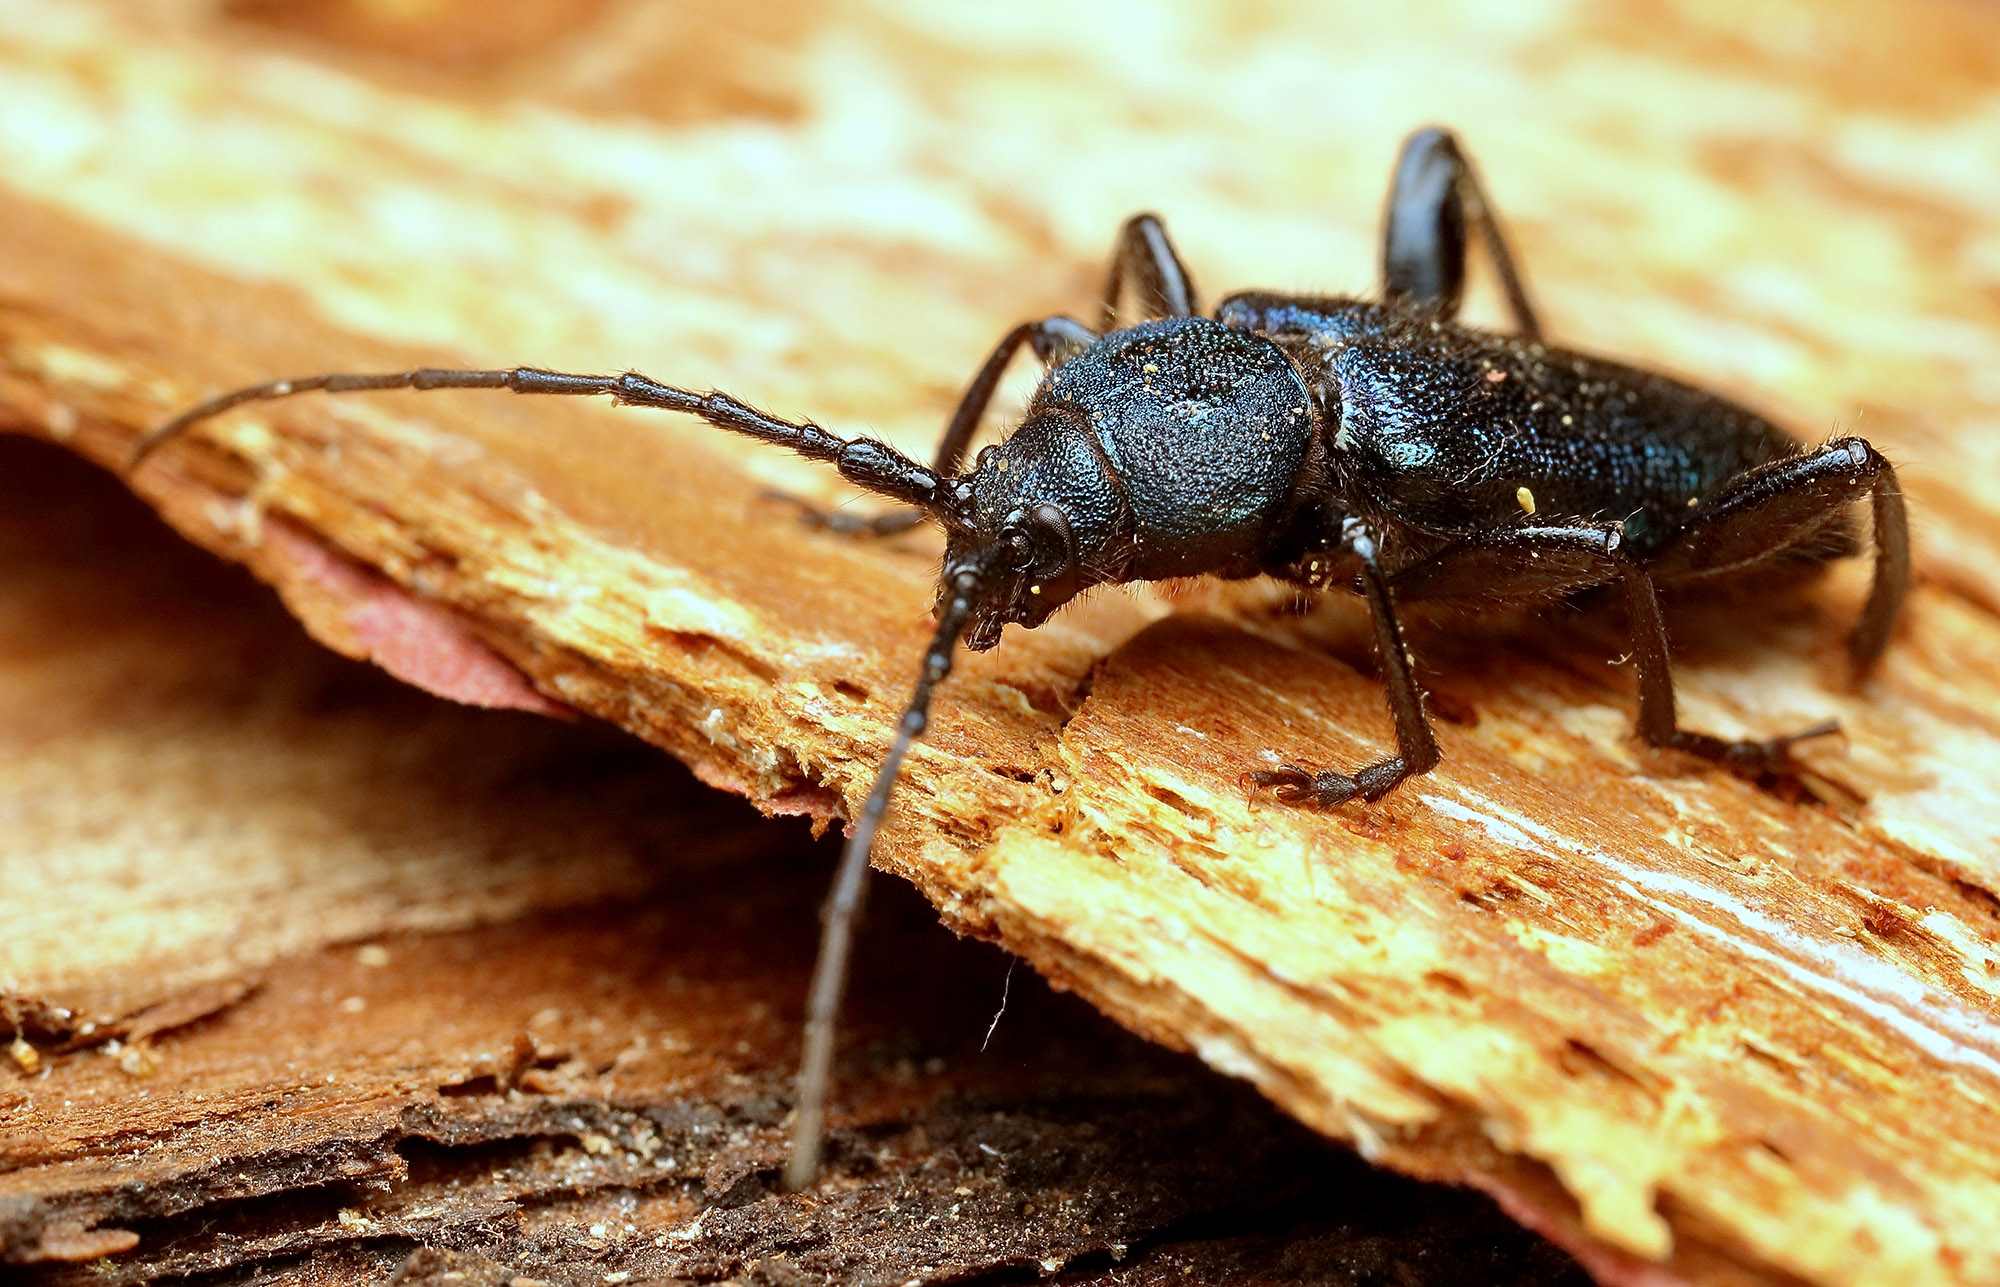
1696, 1031
329, 975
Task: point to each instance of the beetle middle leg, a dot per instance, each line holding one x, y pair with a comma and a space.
1416, 747
1536, 562
1435, 201
1052, 338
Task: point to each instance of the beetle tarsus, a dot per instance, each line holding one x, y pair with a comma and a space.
1326, 789
1751, 757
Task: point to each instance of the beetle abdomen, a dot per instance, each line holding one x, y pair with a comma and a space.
1469, 430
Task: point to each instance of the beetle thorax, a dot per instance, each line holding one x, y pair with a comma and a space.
1164, 450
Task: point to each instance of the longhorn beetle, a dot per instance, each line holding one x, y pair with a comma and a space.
1377, 447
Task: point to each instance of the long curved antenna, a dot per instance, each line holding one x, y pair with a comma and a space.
862, 461
836, 941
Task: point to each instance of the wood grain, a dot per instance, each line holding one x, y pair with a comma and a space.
333, 974
1695, 1030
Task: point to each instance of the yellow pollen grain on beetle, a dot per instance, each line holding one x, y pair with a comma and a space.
1526, 499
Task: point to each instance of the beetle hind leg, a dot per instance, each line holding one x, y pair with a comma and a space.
1785, 506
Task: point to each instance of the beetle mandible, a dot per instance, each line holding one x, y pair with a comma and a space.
1378, 447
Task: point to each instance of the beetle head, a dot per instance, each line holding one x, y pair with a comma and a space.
1043, 521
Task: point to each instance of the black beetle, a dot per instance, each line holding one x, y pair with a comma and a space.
1332, 442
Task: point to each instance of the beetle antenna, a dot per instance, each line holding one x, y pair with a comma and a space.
843, 904
862, 461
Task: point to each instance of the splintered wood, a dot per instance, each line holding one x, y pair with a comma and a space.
290, 1023
1693, 1030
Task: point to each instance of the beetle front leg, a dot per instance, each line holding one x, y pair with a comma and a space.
1054, 340
1416, 748
1435, 200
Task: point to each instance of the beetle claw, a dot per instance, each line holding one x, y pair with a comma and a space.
1297, 785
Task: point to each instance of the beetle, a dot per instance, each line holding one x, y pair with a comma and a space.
1378, 447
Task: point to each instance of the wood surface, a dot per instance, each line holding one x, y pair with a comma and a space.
339, 981
1695, 1029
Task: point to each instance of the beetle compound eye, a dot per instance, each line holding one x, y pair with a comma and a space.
1055, 545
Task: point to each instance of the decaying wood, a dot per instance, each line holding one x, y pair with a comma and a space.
1696, 1031
568, 1092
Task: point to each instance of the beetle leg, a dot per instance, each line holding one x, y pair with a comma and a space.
1144, 260
1054, 340
1782, 506
1515, 565
1657, 722
1416, 748
1570, 558
1435, 192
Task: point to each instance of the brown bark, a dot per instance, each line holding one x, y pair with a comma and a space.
1694, 1029
563, 1044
